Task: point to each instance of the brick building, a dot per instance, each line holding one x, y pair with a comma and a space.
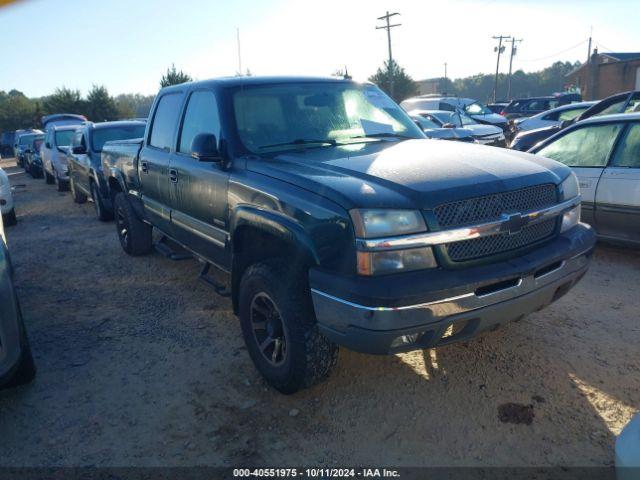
606, 74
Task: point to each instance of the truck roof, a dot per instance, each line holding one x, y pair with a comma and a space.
259, 80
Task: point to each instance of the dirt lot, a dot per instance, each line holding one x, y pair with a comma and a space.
142, 364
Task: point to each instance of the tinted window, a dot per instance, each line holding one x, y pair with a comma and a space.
583, 147
628, 153
122, 132
63, 138
446, 107
164, 121
571, 113
201, 117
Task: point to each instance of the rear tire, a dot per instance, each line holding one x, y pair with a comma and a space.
134, 234
285, 345
77, 195
102, 212
61, 185
48, 177
10, 219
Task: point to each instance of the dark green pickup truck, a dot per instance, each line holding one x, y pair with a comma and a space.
339, 223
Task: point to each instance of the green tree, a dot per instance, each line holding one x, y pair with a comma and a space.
132, 105
17, 111
100, 106
403, 84
174, 77
64, 100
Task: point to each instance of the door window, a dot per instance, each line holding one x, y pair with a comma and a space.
164, 121
201, 116
583, 147
628, 152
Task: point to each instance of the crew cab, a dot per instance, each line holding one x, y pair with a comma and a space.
339, 223
86, 179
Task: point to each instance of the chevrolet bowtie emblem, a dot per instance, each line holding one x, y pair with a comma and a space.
514, 223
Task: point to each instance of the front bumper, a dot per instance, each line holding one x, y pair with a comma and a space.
418, 310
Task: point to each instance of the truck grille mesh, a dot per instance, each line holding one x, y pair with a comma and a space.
491, 207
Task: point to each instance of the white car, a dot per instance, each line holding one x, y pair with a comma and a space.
6, 200
552, 117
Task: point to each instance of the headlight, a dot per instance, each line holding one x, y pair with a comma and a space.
570, 188
378, 263
386, 223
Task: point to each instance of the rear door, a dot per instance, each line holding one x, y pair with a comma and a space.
199, 189
618, 193
587, 150
153, 166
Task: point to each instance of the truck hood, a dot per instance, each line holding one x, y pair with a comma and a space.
409, 174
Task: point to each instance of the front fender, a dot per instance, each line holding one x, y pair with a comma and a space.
280, 226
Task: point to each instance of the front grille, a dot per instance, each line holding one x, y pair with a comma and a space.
490, 208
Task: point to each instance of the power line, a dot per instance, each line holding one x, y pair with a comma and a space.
388, 28
556, 54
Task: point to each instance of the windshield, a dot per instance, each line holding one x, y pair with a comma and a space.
63, 138
280, 117
25, 140
476, 108
125, 132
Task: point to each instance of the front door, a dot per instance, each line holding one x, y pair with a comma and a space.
618, 195
198, 188
153, 165
586, 149
79, 162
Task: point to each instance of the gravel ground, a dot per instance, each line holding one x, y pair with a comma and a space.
141, 364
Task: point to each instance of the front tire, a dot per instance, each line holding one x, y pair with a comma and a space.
10, 219
61, 185
77, 195
48, 177
26, 368
103, 214
280, 330
134, 234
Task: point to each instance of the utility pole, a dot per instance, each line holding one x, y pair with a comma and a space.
589, 51
239, 56
498, 49
514, 49
388, 28
445, 71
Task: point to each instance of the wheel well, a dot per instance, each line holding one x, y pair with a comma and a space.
252, 245
114, 188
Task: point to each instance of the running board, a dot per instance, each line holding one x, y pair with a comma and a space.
163, 248
219, 288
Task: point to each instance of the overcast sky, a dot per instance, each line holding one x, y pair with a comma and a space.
126, 45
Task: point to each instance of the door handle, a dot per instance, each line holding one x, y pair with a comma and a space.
173, 175
144, 166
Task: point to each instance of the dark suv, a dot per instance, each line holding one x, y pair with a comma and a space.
339, 223
527, 107
85, 167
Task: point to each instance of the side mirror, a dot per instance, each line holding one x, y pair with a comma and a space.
204, 147
79, 150
48, 145
448, 125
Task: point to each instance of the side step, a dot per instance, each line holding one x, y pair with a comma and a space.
172, 252
206, 278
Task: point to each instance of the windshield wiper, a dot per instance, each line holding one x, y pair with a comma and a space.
302, 141
384, 135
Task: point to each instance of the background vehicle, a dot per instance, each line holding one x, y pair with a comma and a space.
604, 152
483, 134
32, 160
85, 167
54, 155
528, 107
621, 103
6, 144
550, 118
24, 141
497, 107
6, 200
62, 119
435, 129
342, 226
476, 110
16, 138
16, 362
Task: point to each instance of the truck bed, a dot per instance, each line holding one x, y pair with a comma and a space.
120, 157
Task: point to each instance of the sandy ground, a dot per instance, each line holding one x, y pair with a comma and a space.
142, 364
